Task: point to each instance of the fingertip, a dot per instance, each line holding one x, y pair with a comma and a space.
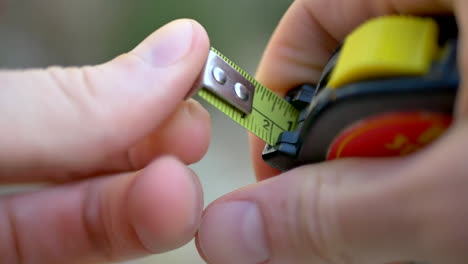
233, 232
201, 38
176, 41
165, 205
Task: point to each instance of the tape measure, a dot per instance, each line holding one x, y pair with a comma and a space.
235, 93
388, 90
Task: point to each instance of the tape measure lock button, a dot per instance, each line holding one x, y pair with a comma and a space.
387, 47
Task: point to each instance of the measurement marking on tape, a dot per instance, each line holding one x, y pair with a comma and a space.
271, 115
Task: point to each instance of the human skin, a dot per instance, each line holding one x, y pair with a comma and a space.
112, 143
351, 210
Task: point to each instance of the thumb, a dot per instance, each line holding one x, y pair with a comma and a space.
77, 119
348, 211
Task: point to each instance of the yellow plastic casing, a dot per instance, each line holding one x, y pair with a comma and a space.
388, 46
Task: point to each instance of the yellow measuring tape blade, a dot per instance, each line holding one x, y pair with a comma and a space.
271, 115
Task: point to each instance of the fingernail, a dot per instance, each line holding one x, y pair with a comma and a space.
233, 232
169, 44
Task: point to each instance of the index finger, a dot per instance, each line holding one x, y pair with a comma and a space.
311, 30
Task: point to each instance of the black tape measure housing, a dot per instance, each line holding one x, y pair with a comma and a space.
325, 113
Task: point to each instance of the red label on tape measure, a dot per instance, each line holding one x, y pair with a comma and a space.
394, 134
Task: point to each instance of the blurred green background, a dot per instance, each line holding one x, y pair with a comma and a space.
81, 32
41, 33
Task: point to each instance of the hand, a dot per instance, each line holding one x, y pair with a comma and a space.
125, 119
355, 210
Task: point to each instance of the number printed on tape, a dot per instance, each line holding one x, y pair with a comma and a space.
271, 115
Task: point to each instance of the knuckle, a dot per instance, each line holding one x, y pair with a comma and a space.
77, 90
316, 222
10, 244
95, 225
92, 99
84, 88
81, 106
112, 238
